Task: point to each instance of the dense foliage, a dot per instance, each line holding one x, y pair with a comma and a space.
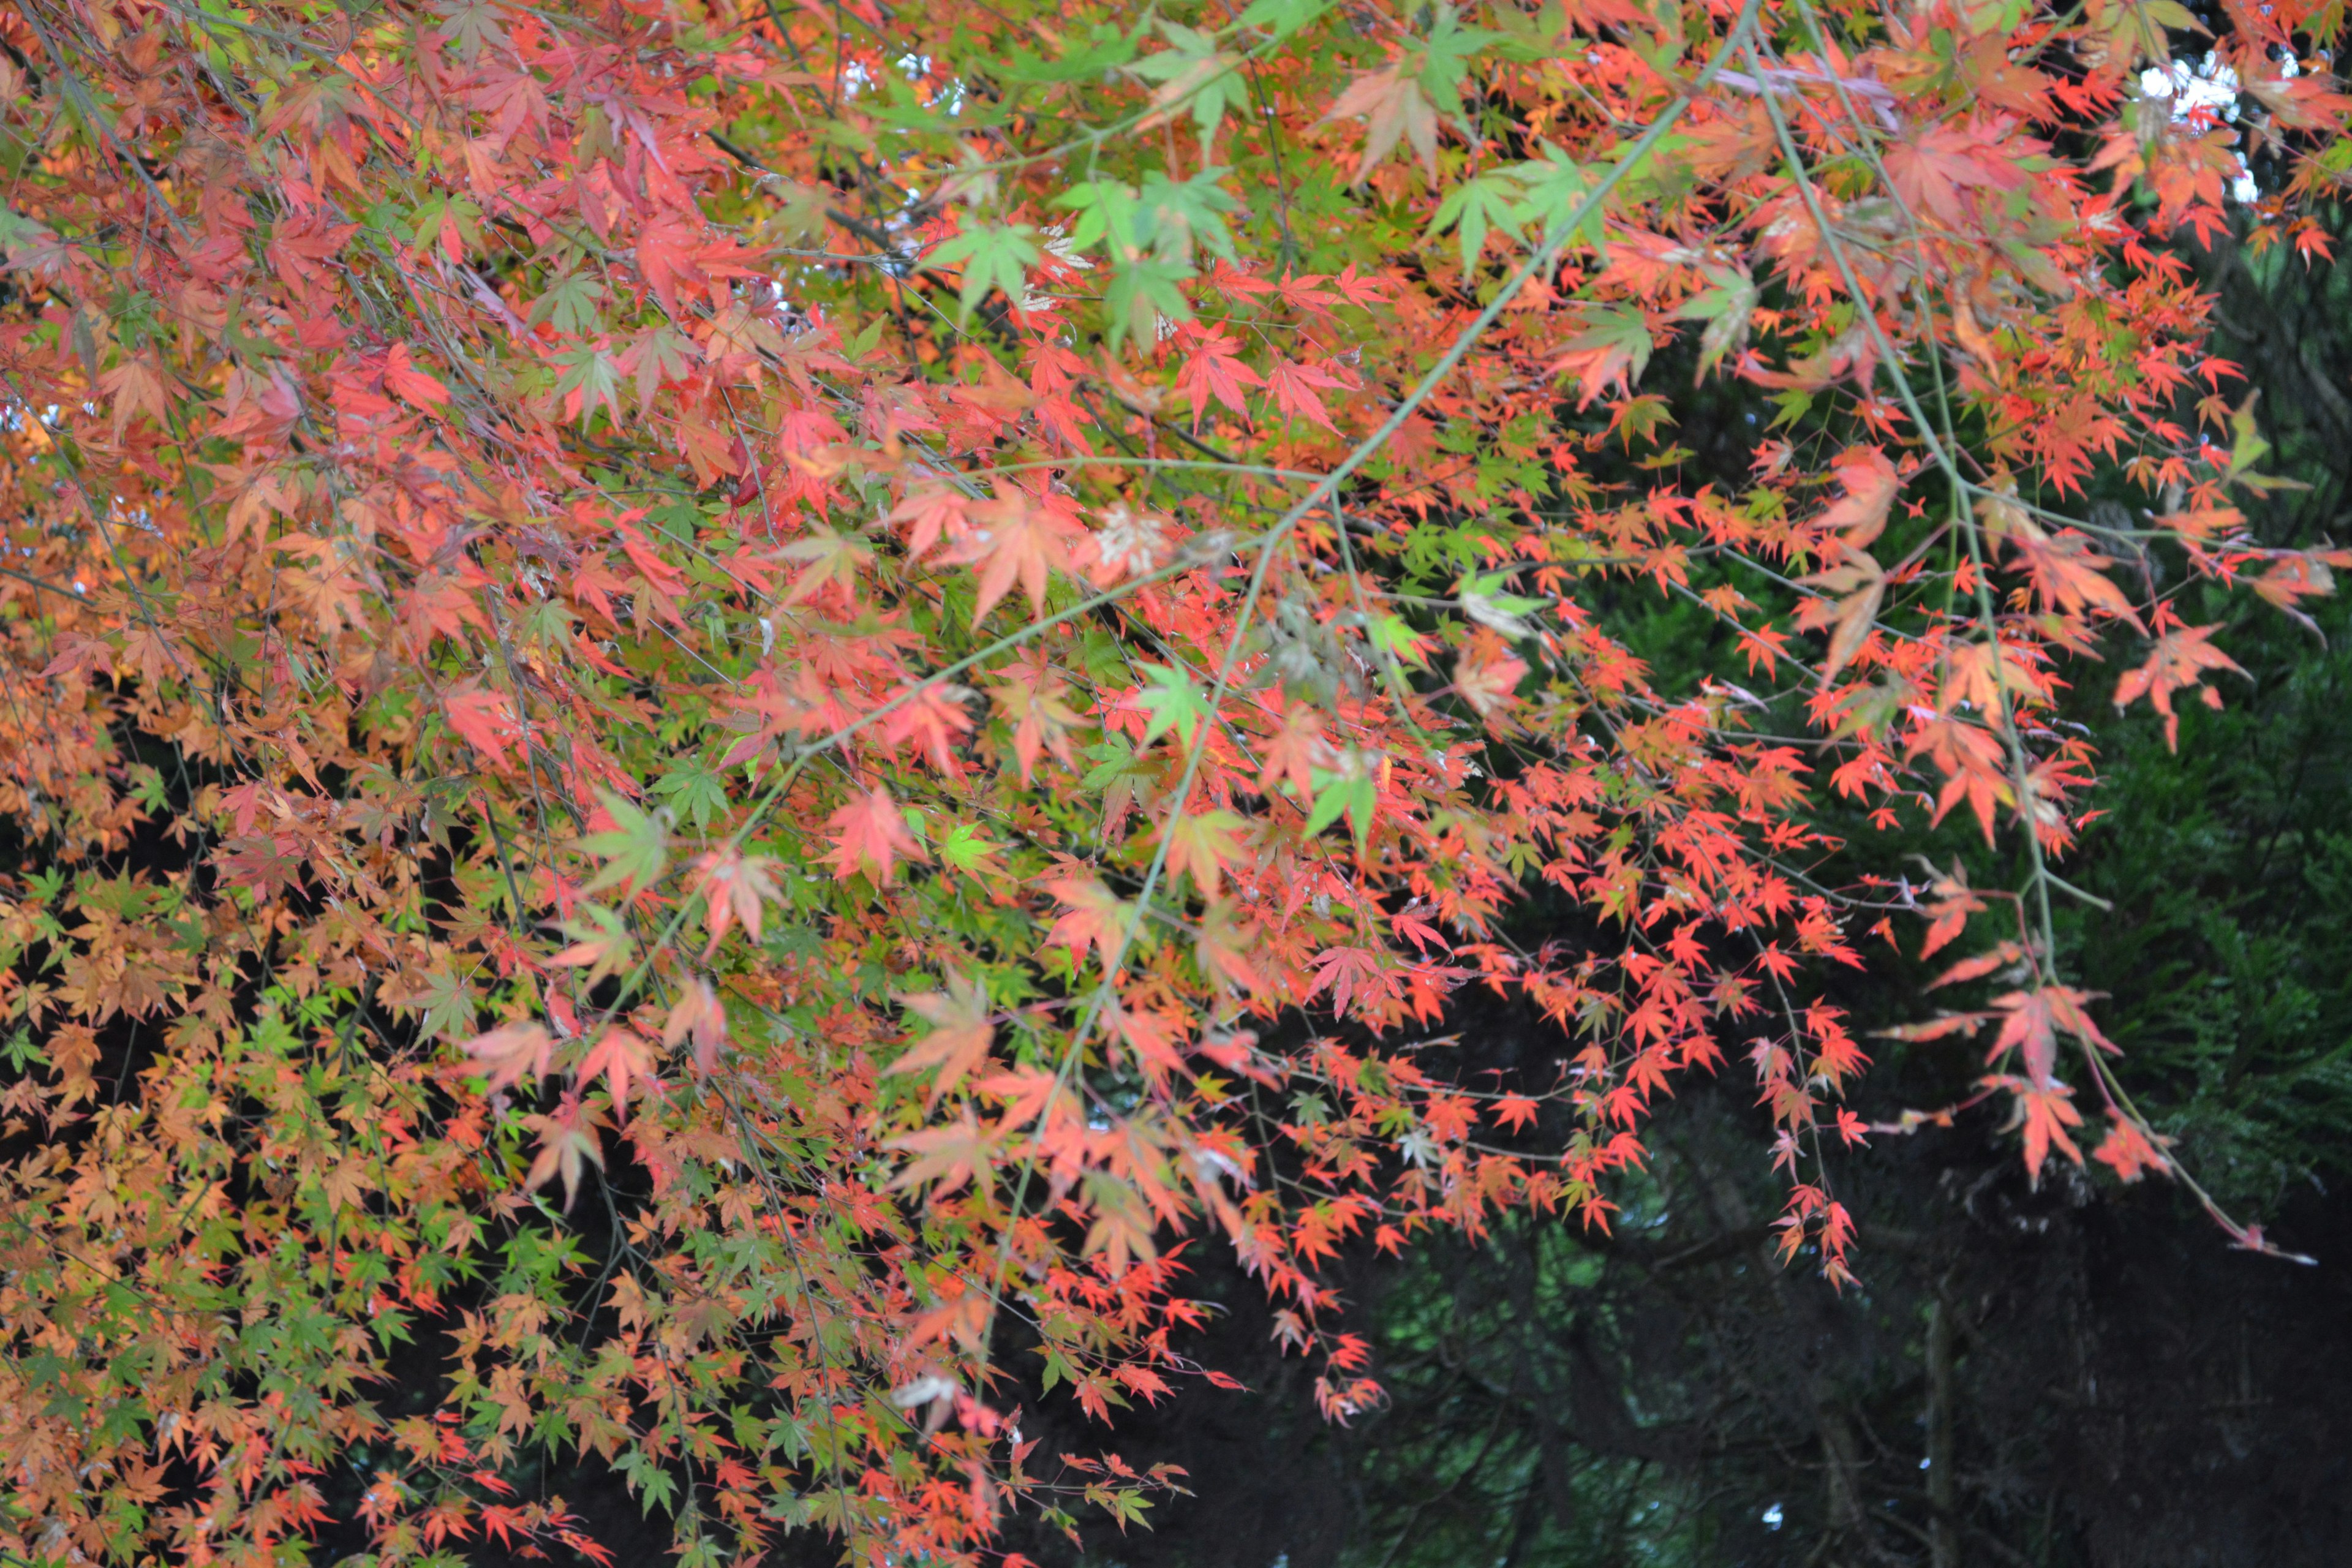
723, 721
2065, 1375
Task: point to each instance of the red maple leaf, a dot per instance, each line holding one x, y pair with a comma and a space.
870, 835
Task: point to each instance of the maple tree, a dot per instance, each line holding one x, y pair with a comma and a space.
911, 648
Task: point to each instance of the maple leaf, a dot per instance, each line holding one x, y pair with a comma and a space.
512, 1052
591, 380
1871, 485
1394, 107
949, 1157
1514, 1112
962, 1029
1032, 697
1930, 168
2176, 663
697, 1014
1294, 388
1195, 72
930, 512
601, 942
1174, 703
1014, 539
2068, 574
1096, 918
617, 1056
1491, 203
1213, 369
666, 249
2293, 577
2128, 1151
833, 558
1203, 844
136, 387
1222, 941
1612, 350
870, 835
1977, 967
634, 846
1489, 686
2026, 1024
2046, 1108
1295, 753
568, 1144
734, 887
1351, 788
933, 712
402, 377
1351, 975
485, 720
1728, 308
994, 256
2128, 32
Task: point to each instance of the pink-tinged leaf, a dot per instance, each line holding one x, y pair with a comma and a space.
2046, 1109
699, 1015
734, 887
1394, 107
2026, 1027
485, 720
964, 1026
947, 1157
618, 1055
1202, 845
1977, 968
1016, 538
404, 380
568, 1144
1931, 169
1938, 1028
1871, 485
1096, 917
1295, 392
870, 835
1489, 688
1213, 370
512, 1052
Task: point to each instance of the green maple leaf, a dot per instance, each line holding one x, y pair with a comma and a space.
994, 256
1140, 294
1173, 702
569, 303
1352, 789
1283, 17
1725, 308
1180, 215
1193, 69
1491, 201
596, 376
636, 848
693, 792
1555, 186
471, 24
1446, 54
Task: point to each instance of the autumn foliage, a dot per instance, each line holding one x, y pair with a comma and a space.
904, 650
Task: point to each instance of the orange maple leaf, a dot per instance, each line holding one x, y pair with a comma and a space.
2178, 660
1014, 539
